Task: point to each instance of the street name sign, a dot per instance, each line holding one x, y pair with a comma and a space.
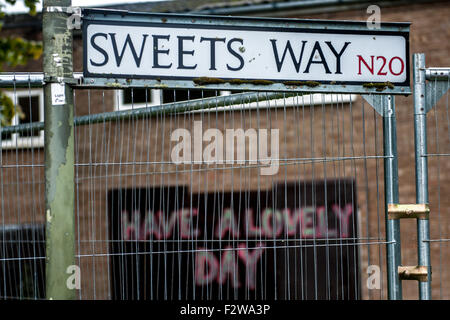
245, 50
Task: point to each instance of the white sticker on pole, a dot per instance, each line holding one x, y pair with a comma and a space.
58, 93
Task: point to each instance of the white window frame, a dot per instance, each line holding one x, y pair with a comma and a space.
155, 96
25, 142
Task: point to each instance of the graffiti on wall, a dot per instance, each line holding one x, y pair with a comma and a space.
292, 241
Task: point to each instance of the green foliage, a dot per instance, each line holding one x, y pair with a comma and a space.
7, 111
15, 51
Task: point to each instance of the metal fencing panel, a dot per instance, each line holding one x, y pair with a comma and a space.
297, 218
22, 238
432, 150
149, 228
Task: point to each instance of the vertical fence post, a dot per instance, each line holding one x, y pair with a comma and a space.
391, 196
59, 149
420, 144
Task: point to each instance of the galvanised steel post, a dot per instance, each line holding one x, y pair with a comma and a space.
420, 143
59, 149
391, 196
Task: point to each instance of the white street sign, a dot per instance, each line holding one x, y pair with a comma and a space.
168, 51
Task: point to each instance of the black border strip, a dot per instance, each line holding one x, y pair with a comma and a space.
87, 22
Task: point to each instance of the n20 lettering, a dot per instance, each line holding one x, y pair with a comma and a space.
384, 64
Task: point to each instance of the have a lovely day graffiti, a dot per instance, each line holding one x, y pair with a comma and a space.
229, 241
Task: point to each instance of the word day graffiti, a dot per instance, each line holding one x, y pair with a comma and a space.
227, 244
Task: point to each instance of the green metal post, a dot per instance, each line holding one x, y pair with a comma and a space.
59, 149
391, 196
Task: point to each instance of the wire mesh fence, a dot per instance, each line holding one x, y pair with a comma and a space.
165, 210
438, 152
207, 194
22, 232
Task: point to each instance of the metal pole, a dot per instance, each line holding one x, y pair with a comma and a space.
420, 143
21, 79
59, 150
391, 196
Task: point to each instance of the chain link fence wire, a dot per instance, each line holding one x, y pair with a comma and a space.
22, 207
213, 226
438, 121
208, 228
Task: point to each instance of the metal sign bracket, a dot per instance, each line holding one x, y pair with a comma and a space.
411, 211
419, 273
